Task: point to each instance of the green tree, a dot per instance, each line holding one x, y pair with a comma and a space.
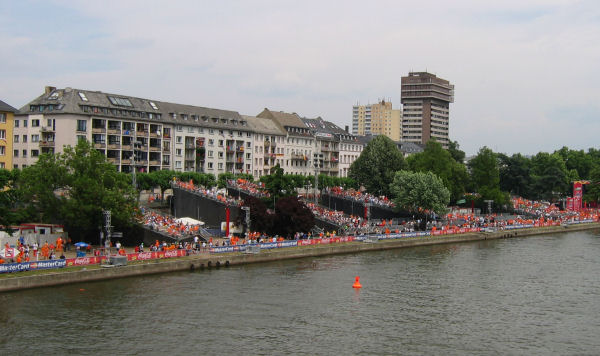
549, 176
592, 193
440, 162
377, 164
279, 184
577, 160
74, 187
455, 152
485, 176
12, 209
413, 191
514, 174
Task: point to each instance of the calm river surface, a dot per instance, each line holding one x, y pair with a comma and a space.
526, 296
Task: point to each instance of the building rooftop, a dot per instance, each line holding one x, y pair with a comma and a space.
97, 103
7, 108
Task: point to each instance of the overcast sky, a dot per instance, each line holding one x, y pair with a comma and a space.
526, 72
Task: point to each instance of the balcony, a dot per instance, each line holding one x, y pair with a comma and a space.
114, 146
47, 129
155, 148
298, 156
114, 130
114, 160
166, 149
98, 130
190, 146
125, 161
46, 143
99, 145
155, 163
127, 147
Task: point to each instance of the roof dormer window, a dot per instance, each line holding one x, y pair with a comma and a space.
82, 96
153, 105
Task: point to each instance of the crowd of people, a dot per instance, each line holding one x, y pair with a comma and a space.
212, 193
251, 188
168, 225
362, 197
25, 252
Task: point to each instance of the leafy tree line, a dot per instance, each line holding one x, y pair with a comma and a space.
488, 175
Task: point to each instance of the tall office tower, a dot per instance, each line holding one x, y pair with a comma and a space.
426, 104
377, 119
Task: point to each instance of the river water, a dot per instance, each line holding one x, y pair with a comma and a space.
525, 296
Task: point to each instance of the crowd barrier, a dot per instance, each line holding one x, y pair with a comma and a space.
82, 261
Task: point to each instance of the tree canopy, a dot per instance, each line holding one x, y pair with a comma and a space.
375, 167
440, 162
72, 189
418, 190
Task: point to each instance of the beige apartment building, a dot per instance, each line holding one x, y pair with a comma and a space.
6, 135
377, 119
426, 108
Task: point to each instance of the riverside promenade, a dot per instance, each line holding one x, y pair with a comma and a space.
71, 275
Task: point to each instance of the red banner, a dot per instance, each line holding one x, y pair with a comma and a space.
84, 261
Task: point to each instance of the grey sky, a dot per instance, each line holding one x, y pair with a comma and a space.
526, 73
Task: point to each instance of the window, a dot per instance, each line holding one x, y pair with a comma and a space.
178, 152
16, 123
210, 165
2, 118
35, 123
211, 142
178, 164
220, 143
120, 101
220, 165
200, 130
81, 125
179, 139
211, 131
49, 123
25, 123
153, 105
16, 153
179, 128
24, 153
81, 138
24, 138
2, 150
2, 134
190, 129
210, 154
2, 165
82, 96
35, 153
220, 154
35, 138
16, 138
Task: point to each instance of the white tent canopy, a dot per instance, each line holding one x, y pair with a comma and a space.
189, 221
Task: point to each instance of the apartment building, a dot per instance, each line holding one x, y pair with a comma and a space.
377, 119
6, 135
299, 142
163, 135
269, 139
426, 104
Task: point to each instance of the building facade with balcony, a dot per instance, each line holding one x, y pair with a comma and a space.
299, 142
6, 135
133, 132
269, 138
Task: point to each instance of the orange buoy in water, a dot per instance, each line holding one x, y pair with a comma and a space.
356, 283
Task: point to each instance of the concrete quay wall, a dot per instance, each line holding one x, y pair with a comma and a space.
226, 259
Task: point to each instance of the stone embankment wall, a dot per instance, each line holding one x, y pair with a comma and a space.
227, 259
